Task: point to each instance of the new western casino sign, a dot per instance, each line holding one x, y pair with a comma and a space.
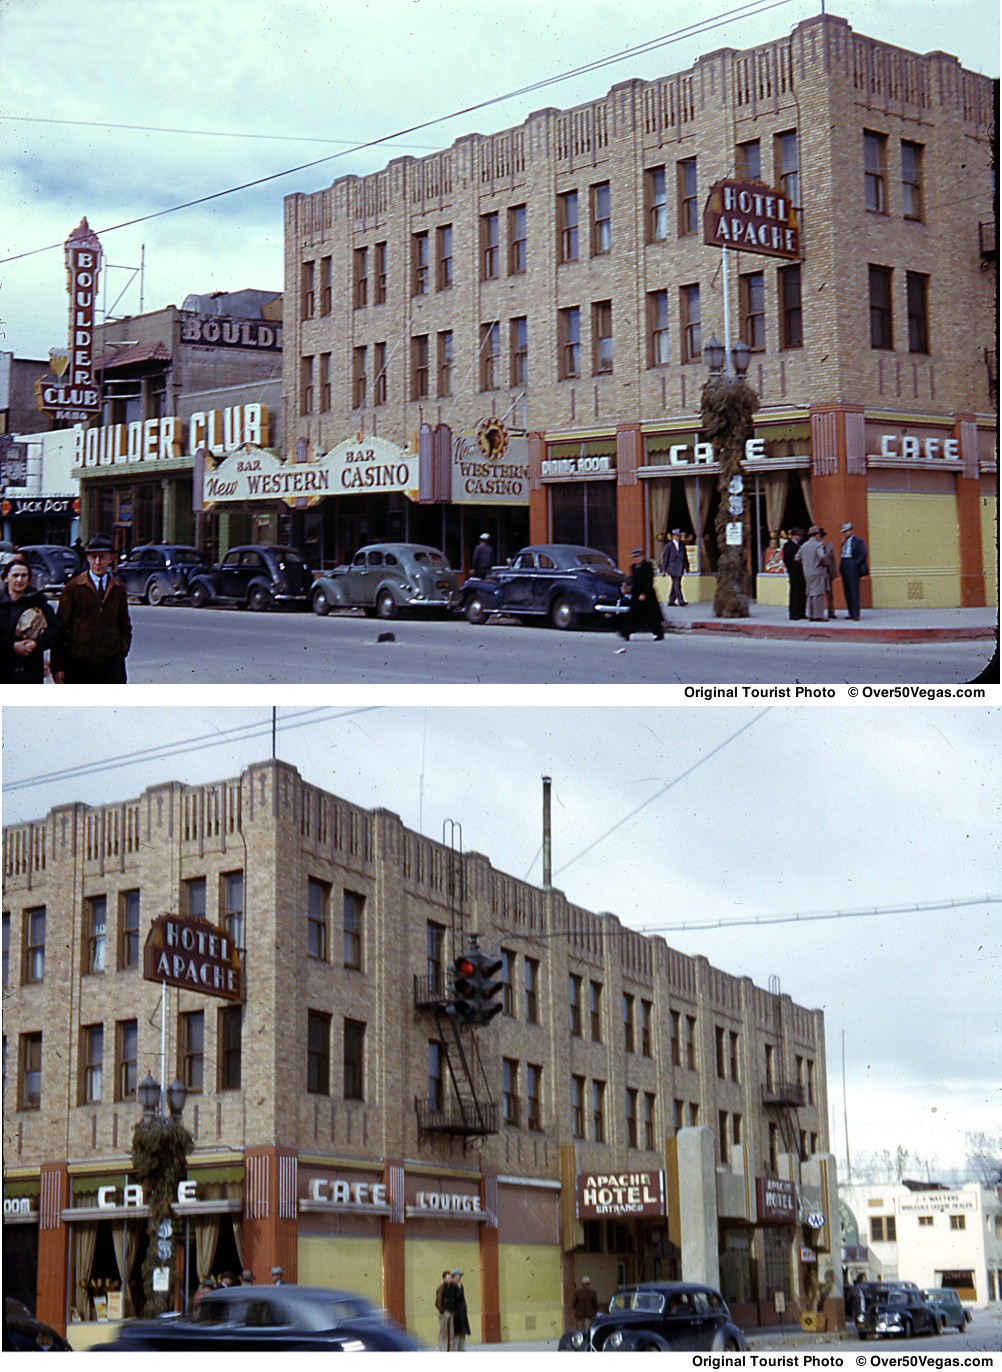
751, 217
194, 955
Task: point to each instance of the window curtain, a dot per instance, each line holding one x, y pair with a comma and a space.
775, 503
698, 504
206, 1238
84, 1243
805, 486
126, 1241
658, 496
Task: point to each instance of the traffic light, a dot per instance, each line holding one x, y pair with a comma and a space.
485, 989
463, 988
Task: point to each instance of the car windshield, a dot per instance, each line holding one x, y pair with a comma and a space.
186, 555
594, 560
430, 559
650, 1301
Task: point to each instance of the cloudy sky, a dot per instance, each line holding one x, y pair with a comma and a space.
116, 111
668, 818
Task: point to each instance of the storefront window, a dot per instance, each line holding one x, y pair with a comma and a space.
585, 512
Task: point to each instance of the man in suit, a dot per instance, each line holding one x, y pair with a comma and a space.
94, 612
852, 568
794, 570
675, 563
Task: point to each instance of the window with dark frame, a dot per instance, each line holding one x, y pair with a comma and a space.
325, 285
577, 1107
674, 1036
718, 1036
657, 325
306, 385
128, 929
443, 257
750, 160
516, 240
649, 1101
534, 1097
519, 351
436, 1076
92, 1062
646, 1017
692, 339
601, 219
490, 237
788, 166
325, 382
509, 1092
419, 366
308, 293
567, 221
507, 979
722, 1135
602, 336
379, 273
6, 948
575, 1003
532, 991
791, 333
435, 958
379, 379
690, 1043
29, 1096
628, 1021
598, 1111
911, 179
632, 1130
875, 171
354, 1060
353, 912
419, 264
318, 1053
881, 330
595, 1010
359, 381
752, 295
361, 263
490, 356
445, 362
34, 944
97, 930
126, 1056
917, 297
657, 204
317, 917
191, 1049
569, 335
733, 1057
688, 200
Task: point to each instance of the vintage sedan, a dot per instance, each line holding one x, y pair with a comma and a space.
160, 571
23, 1333
558, 582
660, 1316
950, 1312
52, 565
254, 577
384, 579
240, 1319
897, 1311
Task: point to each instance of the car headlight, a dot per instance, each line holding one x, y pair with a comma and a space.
615, 1340
577, 1339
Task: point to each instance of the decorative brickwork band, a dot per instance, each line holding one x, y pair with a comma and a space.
855, 444
51, 1197
824, 444
288, 1171
256, 1176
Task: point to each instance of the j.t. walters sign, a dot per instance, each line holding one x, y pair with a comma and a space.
193, 954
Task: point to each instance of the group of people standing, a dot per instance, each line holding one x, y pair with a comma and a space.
453, 1318
810, 565
87, 637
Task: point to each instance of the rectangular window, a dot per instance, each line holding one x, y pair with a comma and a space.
520, 351
325, 382
443, 257
325, 285
736, 1130
598, 1111
750, 161
436, 1076
791, 332
29, 1096
379, 274
354, 1060
490, 356
96, 915
575, 1000
883, 1229
734, 1055
419, 366
490, 232
229, 1034
722, 1134
678, 1115
191, 1049
92, 1063
306, 385
379, 380
509, 1092
628, 1022
531, 991
435, 958
917, 293
361, 278
925, 1221
354, 910
516, 240
657, 328
657, 204
690, 1043
911, 180
577, 1107
308, 294
567, 223
126, 1056
692, 340
359, 381
595, 1010
688, 202
318, 917
788, 166
445, 362
534, 1098
956, 1221
231, 900
773, 1148
753, 310
601, 219
601, 326
719, 1042
648, 1119
419, 264
128, 929
646, 1016
874, 171
810, 1083
34, 944
569, 336
318, 1053
632, 1133
770, 1056
507, 982
881, 332
674, 1033
694, 1116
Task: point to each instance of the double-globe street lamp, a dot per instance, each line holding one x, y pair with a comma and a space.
727, 406
160, 1148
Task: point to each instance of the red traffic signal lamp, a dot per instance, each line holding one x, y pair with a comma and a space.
463, 988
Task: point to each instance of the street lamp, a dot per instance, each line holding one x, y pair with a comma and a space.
160, 1148
727, 406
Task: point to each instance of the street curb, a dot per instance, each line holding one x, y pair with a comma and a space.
731, 626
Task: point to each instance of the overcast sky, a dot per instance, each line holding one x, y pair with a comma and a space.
219, 93
786, 812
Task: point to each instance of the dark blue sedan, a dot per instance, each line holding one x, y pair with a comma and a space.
557, 582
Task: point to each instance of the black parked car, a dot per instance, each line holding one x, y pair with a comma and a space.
656, 1316
160, 571
561, 582
288, 1319
23, 1333
254, 577
51, 565
897, 1310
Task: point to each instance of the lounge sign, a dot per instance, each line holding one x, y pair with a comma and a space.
751, 217
620, 1193
194, 955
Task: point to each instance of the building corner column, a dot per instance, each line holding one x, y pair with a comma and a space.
631, 525
52, 1297
394, 1269
490, 1296
271, 1223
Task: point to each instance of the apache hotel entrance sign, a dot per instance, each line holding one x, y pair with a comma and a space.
194, 955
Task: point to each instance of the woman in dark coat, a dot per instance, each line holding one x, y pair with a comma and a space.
644, 614
28, 627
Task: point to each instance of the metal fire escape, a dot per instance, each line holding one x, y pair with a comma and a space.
779, 1095
467, 1110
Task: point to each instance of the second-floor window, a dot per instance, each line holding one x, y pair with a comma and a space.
688, 200
92, 1053
509, 1092
443, 255
692, 337
30, 1087
445, 363
34, 944
881, 329
128, 929
353, 1084
379, 369
601, 219
569, 330
490, 356
917, 299
602, 335
874, 171
531, 991
361, 278
308, 292
753, 310
788, 166
97, 929
232, 898
791, 331
419, 366
567, 224
191, 1049
657, 315
230, 1048
519, 351
126, 1057
354, 908
359, 380
534, 1097
318, 914
489, 247
419, 264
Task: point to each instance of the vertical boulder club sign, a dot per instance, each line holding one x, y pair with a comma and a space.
751, 217
70, 391
194, 955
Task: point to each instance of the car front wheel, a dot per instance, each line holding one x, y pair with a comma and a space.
199, 596
155, 593
386, 606
562, 614
320, 603
475, 610
259, 599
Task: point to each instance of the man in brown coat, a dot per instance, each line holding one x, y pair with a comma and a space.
585, 1304
94, 612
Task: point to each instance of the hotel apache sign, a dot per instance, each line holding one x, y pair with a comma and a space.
620, 1193
751, 217
70, 391
194, 955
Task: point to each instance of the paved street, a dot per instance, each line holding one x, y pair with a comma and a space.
180, 645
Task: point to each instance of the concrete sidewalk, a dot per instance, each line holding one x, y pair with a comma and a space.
773, 621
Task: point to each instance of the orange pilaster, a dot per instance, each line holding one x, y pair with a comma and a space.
490, 1299
631, 527
539, 502
972, 563
270, 1209
838, 493
53, 1246
394, 1272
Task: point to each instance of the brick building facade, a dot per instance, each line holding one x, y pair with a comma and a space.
343, 1130
554, 275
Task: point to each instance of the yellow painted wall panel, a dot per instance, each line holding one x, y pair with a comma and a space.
990, 547
424, 1262
914, 547
348, 1262
529, 1282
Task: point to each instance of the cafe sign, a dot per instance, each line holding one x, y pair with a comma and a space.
751, 217
194, 955
620, 1193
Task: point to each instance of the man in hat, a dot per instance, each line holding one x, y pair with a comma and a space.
94, 612
644, 614
460, 1315
811, 557
483, 556
852, 568
584, 1305
794, 570
675, 563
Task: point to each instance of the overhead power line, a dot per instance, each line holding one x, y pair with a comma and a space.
952, 903
746, 11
